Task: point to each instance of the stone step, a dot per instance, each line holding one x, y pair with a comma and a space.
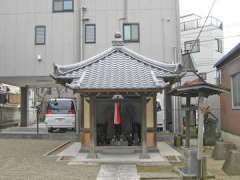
8, 124
162, 175
118, 151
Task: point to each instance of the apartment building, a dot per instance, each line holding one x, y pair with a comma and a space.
208, 48
34, 34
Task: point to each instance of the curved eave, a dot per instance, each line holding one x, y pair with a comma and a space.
106, 91
195, 90
64, 69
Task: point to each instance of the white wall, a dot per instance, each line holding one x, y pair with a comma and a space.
18, 52
208, 55
158, 21
157, 18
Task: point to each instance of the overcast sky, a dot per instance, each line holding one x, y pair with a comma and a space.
227, 11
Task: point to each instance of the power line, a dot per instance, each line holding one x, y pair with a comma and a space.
204, 24
199, 34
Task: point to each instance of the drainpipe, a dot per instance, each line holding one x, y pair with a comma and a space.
124, 18
178, 36
81, 30
177, 100
163, 39
125, 8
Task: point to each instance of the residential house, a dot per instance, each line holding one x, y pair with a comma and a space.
228, 69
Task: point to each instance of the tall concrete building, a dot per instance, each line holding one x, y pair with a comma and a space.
34, 34
208, 48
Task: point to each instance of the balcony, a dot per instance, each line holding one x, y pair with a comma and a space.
198, 23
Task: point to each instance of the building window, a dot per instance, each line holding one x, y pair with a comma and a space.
131, 32
203, 76
40, 35
219, 45
90, 33
62, 5
188, 46
219, 77
236, 91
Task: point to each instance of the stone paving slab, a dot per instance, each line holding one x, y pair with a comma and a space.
167, 150
71, 151
162, 175
118, 172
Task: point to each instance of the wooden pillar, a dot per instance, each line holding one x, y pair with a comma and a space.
200, 132
92, 153
144, 154
188, 132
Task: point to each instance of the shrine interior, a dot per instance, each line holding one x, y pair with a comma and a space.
128, 132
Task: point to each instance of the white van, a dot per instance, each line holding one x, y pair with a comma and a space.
160, 116
60, 114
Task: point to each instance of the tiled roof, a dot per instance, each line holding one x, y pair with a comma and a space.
116, 68
226, 57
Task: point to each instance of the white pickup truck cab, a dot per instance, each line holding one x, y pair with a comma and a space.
60, 114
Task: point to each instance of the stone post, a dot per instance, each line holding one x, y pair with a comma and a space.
188, 132
24, 107
78, 113
144, 154
200, 131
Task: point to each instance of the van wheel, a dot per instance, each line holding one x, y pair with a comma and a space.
62, 130
50, 130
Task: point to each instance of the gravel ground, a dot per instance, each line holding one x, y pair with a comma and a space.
22, 159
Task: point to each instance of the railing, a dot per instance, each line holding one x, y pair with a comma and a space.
198, 23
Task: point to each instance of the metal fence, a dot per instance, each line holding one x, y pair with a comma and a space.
198, 23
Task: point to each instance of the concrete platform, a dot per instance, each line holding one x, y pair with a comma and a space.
24, 130
155, 159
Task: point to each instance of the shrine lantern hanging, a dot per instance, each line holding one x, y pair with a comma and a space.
117, 109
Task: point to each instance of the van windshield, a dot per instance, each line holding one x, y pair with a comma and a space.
60, 107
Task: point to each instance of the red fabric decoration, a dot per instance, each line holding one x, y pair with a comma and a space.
117, 114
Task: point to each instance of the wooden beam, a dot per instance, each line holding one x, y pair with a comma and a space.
92, 154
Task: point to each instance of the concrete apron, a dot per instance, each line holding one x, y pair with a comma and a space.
128, 157
155, 159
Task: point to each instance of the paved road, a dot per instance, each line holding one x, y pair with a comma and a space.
22, 159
